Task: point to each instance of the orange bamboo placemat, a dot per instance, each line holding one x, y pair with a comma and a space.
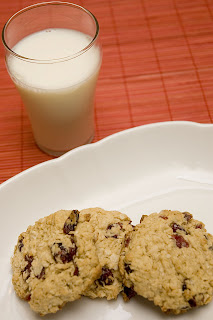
157, 66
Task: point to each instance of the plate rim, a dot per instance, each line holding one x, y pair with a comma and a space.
96, 144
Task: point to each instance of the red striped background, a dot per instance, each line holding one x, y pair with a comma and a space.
157, 66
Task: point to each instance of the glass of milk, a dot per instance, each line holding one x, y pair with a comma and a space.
53, 56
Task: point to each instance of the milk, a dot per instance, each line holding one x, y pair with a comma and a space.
58, 90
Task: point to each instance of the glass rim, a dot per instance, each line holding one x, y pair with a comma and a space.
42, 4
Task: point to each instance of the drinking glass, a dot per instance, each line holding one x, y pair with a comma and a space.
53, 55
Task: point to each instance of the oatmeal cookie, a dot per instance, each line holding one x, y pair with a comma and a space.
55, 261
168, 259
110, 229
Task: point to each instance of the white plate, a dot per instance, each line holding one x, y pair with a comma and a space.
162, 166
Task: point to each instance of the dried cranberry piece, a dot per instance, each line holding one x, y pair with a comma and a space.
59, 253
127, 268
180, 241
127, 241
199, 226
28, 297
112, 225
106, 277
188, 216
163, 217
120, 224
76, 271
68, 256
63, 255
129, 292
27, 269
20, 244
71, 222
42, 274
192, 303
176, 227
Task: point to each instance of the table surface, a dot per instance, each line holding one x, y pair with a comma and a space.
157, 66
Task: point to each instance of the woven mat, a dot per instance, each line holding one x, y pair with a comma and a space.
157, 66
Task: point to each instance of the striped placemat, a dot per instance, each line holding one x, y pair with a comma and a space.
157, 66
